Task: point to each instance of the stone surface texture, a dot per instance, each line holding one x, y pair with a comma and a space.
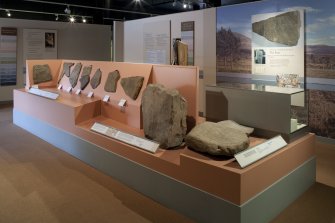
164, 115
96, 79
41, 73
234, 125
111, 82
87, 70
216, 139
75, 75
66, 71
283, 28
132, 86
84, 80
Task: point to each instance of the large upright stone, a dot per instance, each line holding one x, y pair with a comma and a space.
66, 70
111, 82
41, 73
216, 139
132, 86
164, 115
75, 74
283, 28
96, 79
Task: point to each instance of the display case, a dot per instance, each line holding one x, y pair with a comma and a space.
271, 110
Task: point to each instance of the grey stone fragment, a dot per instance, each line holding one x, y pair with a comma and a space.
164, 115
111, 82
283, 28
86, 70
132, 86
235, 125
75, 74
41, 73
215, 139
96, 79
66, 71
84, 80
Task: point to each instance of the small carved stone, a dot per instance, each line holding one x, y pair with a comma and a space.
96, 79
235, 125
283, 28
75, 74
111, 82
132, 86
41, 73
84, 80
215, 139
87, 70
164, 115
66, 70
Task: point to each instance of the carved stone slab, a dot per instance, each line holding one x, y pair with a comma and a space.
283, 28
111, 82
87, 70
215, 139
96, 79
132, 86
66, 70
164, 115
84, 80
75, 74
41, 73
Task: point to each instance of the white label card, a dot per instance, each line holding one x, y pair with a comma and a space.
78, 91
256, 153
106, 98
69, 89
60, 87
122, 102
90, 94
35, 86
130, 139
45, 94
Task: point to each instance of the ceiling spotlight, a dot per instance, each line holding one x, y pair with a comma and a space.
67, 10
83, 20
137, 0
184, 5
72, 19
56, 17
8, 13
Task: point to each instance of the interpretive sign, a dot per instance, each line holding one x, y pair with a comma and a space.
139, 142
187, 36
258, 152
42, 93
8, 48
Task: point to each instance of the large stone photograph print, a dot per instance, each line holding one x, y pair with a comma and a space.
283, 28
164, 115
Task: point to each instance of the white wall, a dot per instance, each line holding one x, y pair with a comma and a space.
204, 45
75, 41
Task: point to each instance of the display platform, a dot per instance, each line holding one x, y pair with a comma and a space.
205, 188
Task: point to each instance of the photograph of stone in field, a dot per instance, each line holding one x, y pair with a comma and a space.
282, 29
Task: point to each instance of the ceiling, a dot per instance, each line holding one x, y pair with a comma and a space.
102, 11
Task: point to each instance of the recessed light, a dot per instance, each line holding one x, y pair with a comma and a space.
84, 20
8, 13
72, 19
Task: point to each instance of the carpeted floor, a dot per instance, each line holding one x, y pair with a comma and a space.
40, 183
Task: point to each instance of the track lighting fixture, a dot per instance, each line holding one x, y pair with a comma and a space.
67, 10
184, 5
83, 19
72, 19
8, 13
56, 17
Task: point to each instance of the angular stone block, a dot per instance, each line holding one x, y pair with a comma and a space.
96, 79
132, 86
66, 71
283, 28
75, 74
216, 139
111, 82
164, 115
41, 73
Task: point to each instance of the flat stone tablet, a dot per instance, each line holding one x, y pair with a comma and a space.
132, 86
111, 82
96, 79
84, 80
75, 74
215, 139
41, 73
66, 71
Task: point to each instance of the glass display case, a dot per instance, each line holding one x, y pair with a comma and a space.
271, 110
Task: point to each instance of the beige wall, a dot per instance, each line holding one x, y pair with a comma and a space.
75, 41
204, 46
